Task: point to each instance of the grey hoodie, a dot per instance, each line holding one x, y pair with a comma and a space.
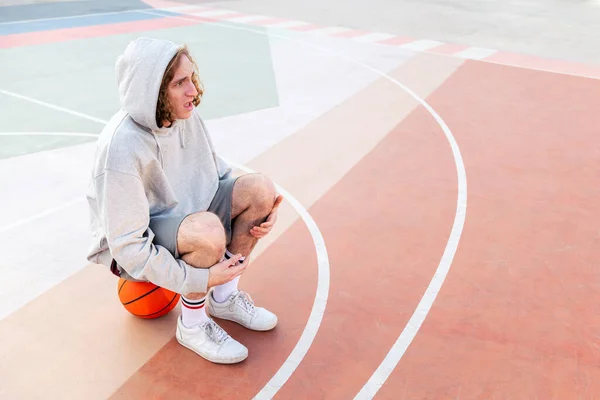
141, 171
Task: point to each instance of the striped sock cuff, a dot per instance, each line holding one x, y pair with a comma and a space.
193, 304
229, 254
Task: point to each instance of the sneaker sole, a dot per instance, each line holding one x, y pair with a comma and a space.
217, 360
263, 329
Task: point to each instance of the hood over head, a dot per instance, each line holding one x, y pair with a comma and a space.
140, 71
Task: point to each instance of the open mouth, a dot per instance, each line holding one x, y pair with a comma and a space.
189, 105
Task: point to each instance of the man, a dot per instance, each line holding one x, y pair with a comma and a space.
166, 209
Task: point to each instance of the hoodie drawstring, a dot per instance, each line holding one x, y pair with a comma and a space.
182, 137
160, 153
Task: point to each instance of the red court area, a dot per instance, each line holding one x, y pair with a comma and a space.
515, 317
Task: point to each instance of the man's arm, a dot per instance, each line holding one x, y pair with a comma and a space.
124, 211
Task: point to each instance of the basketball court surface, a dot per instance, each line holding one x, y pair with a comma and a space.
439, 237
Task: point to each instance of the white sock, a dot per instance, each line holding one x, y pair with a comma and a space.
193, 311
221, 292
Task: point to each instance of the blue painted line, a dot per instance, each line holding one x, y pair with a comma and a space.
69, 8
78, 22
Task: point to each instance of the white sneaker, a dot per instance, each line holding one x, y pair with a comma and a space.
240, 308
211, 342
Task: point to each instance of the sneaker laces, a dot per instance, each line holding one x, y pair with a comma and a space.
214, 331
244, 300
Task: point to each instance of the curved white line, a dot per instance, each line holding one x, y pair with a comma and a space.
319, 304
409, 332
318, 308
407, 335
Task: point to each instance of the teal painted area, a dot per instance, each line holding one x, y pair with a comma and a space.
237, 72
235, 67
12, 146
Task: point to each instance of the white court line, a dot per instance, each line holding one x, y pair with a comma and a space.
323, 273
177, 8
317, 236
373, 37
323, 270
168, 9
318, 309
75, 134
42, 214
52, 106
421, 45
247, 19
475, 53
330, 30
381, 374
52, 210
213, 13
409, 332
287, 24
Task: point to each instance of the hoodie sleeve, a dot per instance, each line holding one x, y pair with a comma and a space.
125, 214
223, 168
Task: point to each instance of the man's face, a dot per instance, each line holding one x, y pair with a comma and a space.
181, 90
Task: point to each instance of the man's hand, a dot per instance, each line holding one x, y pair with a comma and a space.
225, 271
263, 229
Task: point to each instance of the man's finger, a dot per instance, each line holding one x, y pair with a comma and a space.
231, 261
278, 201
237, 269
271, 217
276, 204
264, 226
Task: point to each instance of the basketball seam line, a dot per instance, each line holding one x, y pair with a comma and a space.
159, 311
142, 296
122, 284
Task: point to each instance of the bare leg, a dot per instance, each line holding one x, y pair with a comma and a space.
253, 199
201, 242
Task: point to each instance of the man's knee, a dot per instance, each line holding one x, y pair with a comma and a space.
261, 191
204, 232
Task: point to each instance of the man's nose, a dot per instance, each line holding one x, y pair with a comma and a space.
191, 90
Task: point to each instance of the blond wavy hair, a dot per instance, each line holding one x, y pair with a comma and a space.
164, 110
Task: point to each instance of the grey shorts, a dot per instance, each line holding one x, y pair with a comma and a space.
166, 228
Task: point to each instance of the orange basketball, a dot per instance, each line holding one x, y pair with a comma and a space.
145, 299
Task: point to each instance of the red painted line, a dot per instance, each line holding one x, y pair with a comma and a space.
61, 35
305, 28
194, 10
209, 18
350, 34
269, 21
397, 41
